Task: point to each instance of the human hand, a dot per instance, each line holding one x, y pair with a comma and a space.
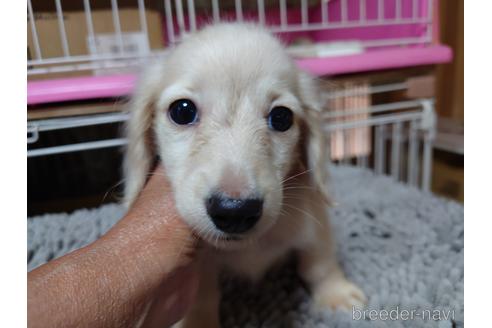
140, 273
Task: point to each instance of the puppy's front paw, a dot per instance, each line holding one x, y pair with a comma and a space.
338, 293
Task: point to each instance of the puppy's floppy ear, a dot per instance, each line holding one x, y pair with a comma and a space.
314, 140
140, 153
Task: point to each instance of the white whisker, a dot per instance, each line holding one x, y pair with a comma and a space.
295, 175
305, 212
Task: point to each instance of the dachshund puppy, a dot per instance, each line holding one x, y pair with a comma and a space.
237, 127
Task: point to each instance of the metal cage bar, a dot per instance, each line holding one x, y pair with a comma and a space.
61, 28
345, 146
192, 15
395, 150
169, 20
117, 24
261, 12
398, 10
381, 10
344, 11
415, 9
304, 13
379, 149
34, 31
412, 168
427, 162
362, 10
76, 147
239, 10
283, 14
143, 18
180, 17
324, 12
76, 122
430, 13
215, 10
89, 22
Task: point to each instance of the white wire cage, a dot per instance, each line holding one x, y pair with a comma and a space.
397, 137
372, 23
390, 138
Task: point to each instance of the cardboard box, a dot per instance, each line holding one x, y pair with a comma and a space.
105, 41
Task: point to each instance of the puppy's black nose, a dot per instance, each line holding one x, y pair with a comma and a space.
233, 215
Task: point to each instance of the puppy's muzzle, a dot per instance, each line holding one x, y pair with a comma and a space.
234, 215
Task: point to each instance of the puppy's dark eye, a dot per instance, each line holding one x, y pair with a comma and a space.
280, 118
183, 111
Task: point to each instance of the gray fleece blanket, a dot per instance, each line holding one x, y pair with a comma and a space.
402, 246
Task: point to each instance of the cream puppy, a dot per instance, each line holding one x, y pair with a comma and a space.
237, 128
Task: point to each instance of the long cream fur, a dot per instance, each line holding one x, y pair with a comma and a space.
235, 73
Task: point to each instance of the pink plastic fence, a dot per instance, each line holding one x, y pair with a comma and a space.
409, 21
